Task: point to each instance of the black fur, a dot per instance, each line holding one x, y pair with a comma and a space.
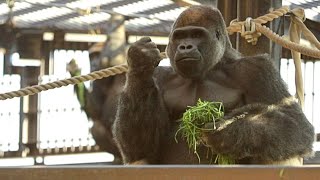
204, 65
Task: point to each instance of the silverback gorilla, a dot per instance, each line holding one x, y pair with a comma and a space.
205, 66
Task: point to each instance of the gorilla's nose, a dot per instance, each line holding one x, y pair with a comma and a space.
185, 48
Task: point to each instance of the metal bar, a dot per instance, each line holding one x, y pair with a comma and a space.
160, 9
117, 4
52, 21
29, 10
55, 20
306, 5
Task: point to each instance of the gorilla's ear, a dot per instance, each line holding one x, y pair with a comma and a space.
218, 34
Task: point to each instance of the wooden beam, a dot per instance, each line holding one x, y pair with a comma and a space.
29, 116
161, 172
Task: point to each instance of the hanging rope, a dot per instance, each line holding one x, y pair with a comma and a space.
295, 36
251, 30
256, 29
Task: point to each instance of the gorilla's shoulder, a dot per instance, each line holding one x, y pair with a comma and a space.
250, 68
163, 71
257, 59
259, 62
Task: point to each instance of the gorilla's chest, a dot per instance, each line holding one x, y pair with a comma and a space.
180, 94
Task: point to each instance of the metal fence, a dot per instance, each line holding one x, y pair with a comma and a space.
59, 110
61, 121
311, 79
9, 114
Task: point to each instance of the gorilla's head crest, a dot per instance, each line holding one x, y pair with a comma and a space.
198, 41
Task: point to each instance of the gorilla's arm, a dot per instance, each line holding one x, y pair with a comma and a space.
275, 127
93, 103
141, 119
90, 101
96, 98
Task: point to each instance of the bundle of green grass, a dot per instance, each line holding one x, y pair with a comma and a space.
192, 126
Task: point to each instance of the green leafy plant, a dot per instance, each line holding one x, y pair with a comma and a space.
192, 125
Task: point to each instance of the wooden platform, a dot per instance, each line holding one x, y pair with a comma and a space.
199, 172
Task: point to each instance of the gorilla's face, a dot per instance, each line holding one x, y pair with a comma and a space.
196, 43
94, 62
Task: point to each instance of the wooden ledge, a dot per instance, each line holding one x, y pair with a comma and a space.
160, 172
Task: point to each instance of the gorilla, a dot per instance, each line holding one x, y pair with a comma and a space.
98, 101
204, 66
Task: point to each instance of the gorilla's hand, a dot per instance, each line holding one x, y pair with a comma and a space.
143, 55
210, 134
73, 68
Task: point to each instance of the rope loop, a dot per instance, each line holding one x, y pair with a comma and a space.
249, 32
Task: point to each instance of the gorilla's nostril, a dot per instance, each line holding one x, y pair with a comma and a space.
182, 47
189, 47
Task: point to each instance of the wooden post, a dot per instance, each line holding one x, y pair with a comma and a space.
46, 48
7, 62
113, 52
228, 10
29, 115
254, 9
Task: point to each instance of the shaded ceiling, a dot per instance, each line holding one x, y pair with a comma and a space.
86, 15
142, 16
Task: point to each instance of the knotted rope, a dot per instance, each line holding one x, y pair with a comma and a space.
251, 30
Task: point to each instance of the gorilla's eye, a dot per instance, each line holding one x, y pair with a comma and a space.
218, 34
196, 35
178, 35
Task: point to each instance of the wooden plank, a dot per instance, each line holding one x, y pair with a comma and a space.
254, 9
161, 172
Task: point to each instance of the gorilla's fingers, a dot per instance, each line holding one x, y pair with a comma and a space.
209, 127
151, 51
151, 44
145, 39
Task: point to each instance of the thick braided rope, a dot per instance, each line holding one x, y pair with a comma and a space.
74, 80
236, 26
272, 15
287, 44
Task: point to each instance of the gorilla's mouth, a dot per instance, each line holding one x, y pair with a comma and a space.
187, 59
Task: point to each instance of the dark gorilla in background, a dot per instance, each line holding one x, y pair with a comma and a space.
205, 66
101, 108
99, 100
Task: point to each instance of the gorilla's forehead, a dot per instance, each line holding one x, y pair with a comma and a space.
203, 16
